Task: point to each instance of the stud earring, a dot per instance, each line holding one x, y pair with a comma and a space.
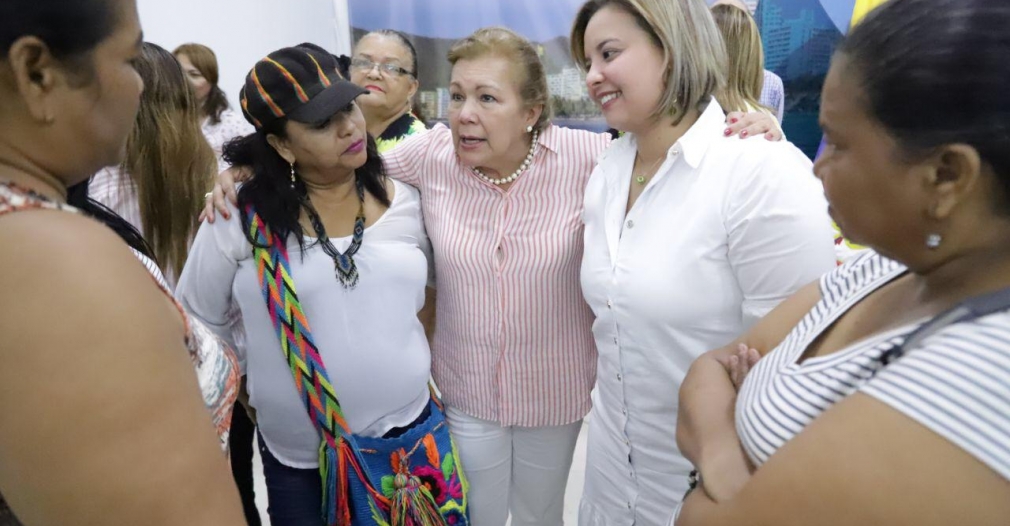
933, 241
529, 129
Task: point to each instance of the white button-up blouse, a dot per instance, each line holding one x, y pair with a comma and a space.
725, 230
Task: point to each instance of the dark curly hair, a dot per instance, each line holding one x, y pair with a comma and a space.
269, 190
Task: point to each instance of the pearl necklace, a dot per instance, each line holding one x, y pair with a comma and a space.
522, 167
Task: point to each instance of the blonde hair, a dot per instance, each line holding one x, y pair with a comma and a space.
746, 59
692, 49
520, 54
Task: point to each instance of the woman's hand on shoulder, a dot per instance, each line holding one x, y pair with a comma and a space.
225, 191
752, 124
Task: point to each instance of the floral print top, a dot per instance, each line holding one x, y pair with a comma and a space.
214, 362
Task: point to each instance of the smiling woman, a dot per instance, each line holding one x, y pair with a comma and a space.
690, 237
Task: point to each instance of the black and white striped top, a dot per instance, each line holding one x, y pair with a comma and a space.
956, 383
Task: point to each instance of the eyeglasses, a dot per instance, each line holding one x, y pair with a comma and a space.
361, 64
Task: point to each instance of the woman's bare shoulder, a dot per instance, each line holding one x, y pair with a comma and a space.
56, 263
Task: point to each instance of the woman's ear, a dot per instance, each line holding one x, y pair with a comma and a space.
533, 114
954, 175
413, 89
281, 147
37, 75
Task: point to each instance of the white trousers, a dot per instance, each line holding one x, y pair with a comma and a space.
522, 470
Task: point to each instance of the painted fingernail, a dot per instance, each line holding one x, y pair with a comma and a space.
733, 120
743, 134
728, 132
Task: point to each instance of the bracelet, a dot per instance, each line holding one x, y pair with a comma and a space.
694, 478
693, 481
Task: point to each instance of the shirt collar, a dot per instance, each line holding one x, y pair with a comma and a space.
695, 143
708, 129
549, 138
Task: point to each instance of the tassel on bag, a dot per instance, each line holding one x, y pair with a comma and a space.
413, 504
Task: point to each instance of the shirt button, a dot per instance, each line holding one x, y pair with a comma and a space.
676, 151
629, 505
625, 411
610, 304
631, 224
615, 341
619, 377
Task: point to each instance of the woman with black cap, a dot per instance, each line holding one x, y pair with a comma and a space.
324, 255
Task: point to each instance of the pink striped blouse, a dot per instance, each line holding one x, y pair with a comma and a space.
513, 341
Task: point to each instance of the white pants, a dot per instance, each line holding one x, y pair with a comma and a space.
519, 469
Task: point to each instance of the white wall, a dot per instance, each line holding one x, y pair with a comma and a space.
243, 31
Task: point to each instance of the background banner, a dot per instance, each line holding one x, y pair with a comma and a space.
798, 36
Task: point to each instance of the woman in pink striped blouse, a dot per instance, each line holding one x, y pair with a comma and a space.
513, 352
514, 356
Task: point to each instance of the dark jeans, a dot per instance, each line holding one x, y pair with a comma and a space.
295, 495
240, 442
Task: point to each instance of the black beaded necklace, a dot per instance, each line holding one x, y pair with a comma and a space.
343, 264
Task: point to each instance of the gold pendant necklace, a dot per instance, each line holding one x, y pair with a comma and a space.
641, 179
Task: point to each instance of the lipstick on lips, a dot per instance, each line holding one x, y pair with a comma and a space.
356, 147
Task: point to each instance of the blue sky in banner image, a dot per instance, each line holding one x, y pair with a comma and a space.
840, 12
454, 19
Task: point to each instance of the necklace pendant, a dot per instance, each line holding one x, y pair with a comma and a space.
346, 271
640, 179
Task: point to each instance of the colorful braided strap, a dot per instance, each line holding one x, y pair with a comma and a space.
338, 451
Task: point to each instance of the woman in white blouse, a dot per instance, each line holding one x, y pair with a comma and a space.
318, 181
220, 123
690, 237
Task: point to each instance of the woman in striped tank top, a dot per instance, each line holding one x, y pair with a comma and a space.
844, 424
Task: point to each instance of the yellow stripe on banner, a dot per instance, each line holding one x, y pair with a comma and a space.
861, 8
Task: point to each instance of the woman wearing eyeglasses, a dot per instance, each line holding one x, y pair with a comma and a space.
385, 63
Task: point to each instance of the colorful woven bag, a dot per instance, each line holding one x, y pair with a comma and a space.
411, 480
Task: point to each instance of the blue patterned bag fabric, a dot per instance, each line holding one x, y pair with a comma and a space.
423, 455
